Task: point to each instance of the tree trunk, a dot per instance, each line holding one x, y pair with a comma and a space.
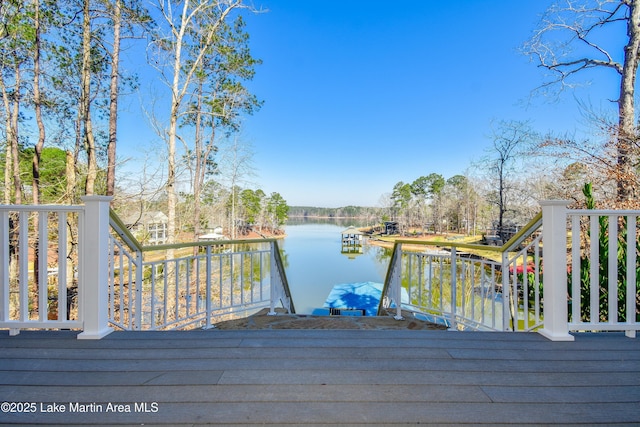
92, 163
171, 179
72, 238
198, 155
626, 109
7, 174
37, 101
15, 149
501, 202
113, 100
70, 174
202, 153
85, 101
37, 152
176, 99
8, 164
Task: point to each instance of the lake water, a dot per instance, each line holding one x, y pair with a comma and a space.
314, 263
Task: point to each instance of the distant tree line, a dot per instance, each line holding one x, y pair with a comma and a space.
499, 192
342, 212
432, 204
236, 212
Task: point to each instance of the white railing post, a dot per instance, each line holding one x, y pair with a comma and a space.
631, 272
139, 295
554, 240
4, 269
396, 283
207, 281
94, 268
275, 278
454, 289
506, 297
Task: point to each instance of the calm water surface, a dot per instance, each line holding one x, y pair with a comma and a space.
314, 263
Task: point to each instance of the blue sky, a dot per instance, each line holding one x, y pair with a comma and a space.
360, 95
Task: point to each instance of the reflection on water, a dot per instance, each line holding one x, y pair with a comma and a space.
314, 263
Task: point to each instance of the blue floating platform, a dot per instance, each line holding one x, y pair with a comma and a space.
364, 296
354, 299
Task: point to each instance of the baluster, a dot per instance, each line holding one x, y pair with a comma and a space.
631, 273
613, 270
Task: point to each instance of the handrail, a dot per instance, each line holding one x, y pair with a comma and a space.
184, 245
451, 244
621, 212
391, 262
283, 276
462, 298
119, 227
524, 232
42, 208
387, 279
141, 291
124, 233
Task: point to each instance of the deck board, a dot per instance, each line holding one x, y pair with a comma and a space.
324, 377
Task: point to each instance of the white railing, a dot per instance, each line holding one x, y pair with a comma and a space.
604, 262
600, 260
204, 283
470, 286
61, 268
32, 239
520, 290
50, 267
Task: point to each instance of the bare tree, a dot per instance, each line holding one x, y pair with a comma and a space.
510, 138
572, 37
217, 100
194, 23
236, 167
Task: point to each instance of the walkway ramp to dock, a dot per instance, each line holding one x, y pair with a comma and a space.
318, 377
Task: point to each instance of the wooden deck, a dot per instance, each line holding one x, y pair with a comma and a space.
319, 377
